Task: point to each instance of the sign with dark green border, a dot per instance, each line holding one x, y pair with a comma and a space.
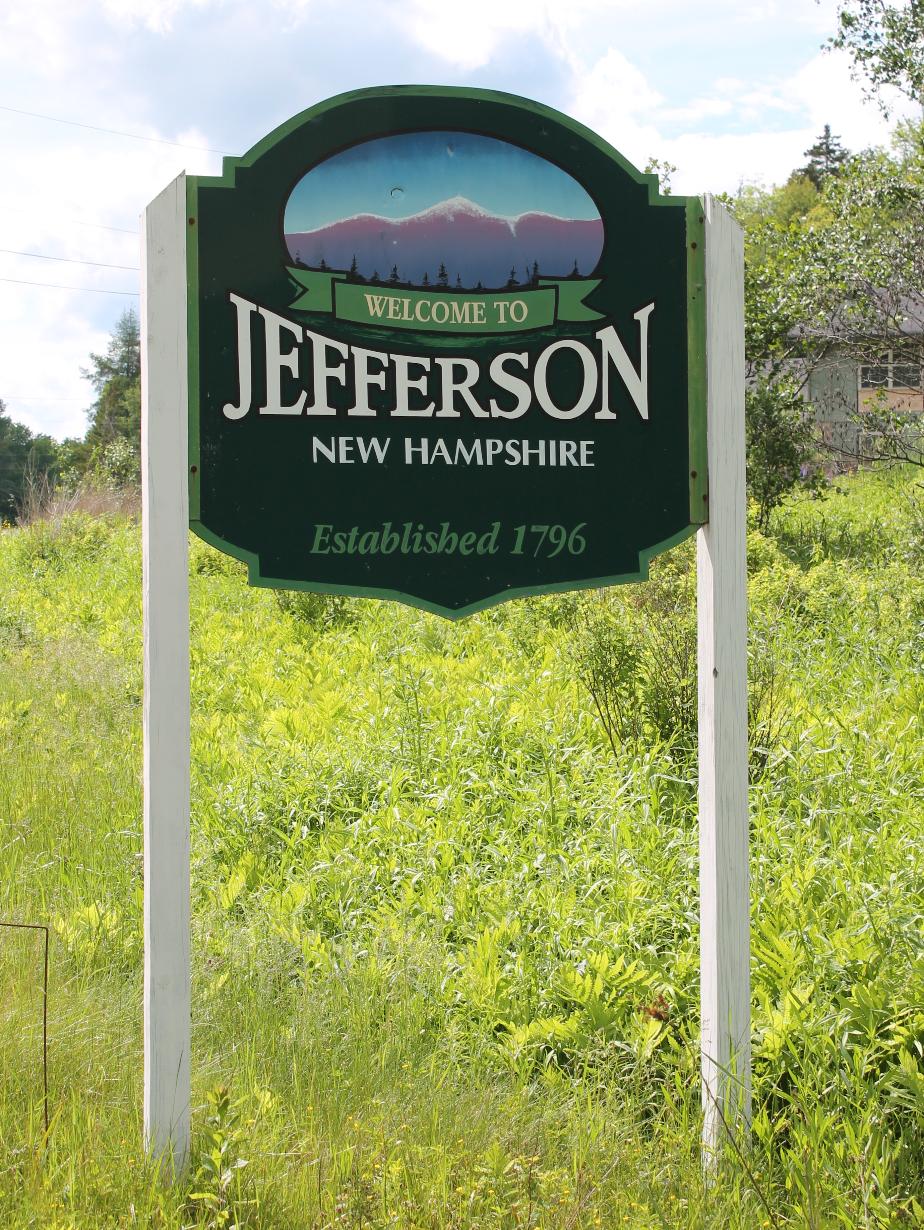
446, 346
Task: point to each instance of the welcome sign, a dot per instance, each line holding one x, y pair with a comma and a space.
444, 346
447, 347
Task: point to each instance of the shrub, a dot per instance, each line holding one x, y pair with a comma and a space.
781, 448
319, 611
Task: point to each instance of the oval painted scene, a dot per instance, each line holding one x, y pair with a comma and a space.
443, 210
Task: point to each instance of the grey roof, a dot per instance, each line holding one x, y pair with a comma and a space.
885, 314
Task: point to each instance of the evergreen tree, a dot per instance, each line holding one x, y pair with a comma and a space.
375, 276
442, 277
574, 272
426, 280
323, 265
512, 280
23, 457
534, 280
354, 269
116, 379
458, 281
394, 277
825, 158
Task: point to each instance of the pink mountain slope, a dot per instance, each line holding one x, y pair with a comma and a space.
469, 241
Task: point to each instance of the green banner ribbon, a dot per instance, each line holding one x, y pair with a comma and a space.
443, 311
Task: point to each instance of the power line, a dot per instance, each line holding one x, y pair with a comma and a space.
98, 226
69, 260
93, 290
113, 132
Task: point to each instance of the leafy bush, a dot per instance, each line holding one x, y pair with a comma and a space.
781, 445
54, 544
446, 922
319, 611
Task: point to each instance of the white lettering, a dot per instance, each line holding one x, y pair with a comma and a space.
635, 381
324, 371
463, 385
410, 448
589, 387
363, 378
368, 447
510, 384
276, 361
244, 311
404, 384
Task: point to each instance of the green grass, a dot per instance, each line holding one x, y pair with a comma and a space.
439, 913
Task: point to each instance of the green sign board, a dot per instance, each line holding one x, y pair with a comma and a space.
447, 346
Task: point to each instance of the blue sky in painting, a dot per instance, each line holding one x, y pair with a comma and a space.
398, 176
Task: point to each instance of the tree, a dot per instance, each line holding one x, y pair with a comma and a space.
442, 277
840, 282
24, 458
781, 444
796, 199
116, 380
394, 277
512, 280
825, 158
664, 171
877, 242
354, 269
886, 43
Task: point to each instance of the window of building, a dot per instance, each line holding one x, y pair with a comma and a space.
891, 370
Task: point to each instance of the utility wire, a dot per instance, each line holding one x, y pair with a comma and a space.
98, 226
93, 290
68, 260
113, 132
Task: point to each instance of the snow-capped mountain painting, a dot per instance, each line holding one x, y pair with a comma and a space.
451, 209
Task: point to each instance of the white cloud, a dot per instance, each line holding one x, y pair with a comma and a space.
155, 15
697, 109
773, 122
469, 36
658, 80
821, 92
768, 120
49, 333
614, 98
828, 94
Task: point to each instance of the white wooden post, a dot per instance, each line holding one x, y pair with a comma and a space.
722, 661
165, 522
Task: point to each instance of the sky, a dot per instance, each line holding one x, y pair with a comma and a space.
396, 177
730, 93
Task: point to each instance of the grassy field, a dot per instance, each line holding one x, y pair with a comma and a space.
444, 895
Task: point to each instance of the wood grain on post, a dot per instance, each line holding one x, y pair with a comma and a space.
722, 665
165, 523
